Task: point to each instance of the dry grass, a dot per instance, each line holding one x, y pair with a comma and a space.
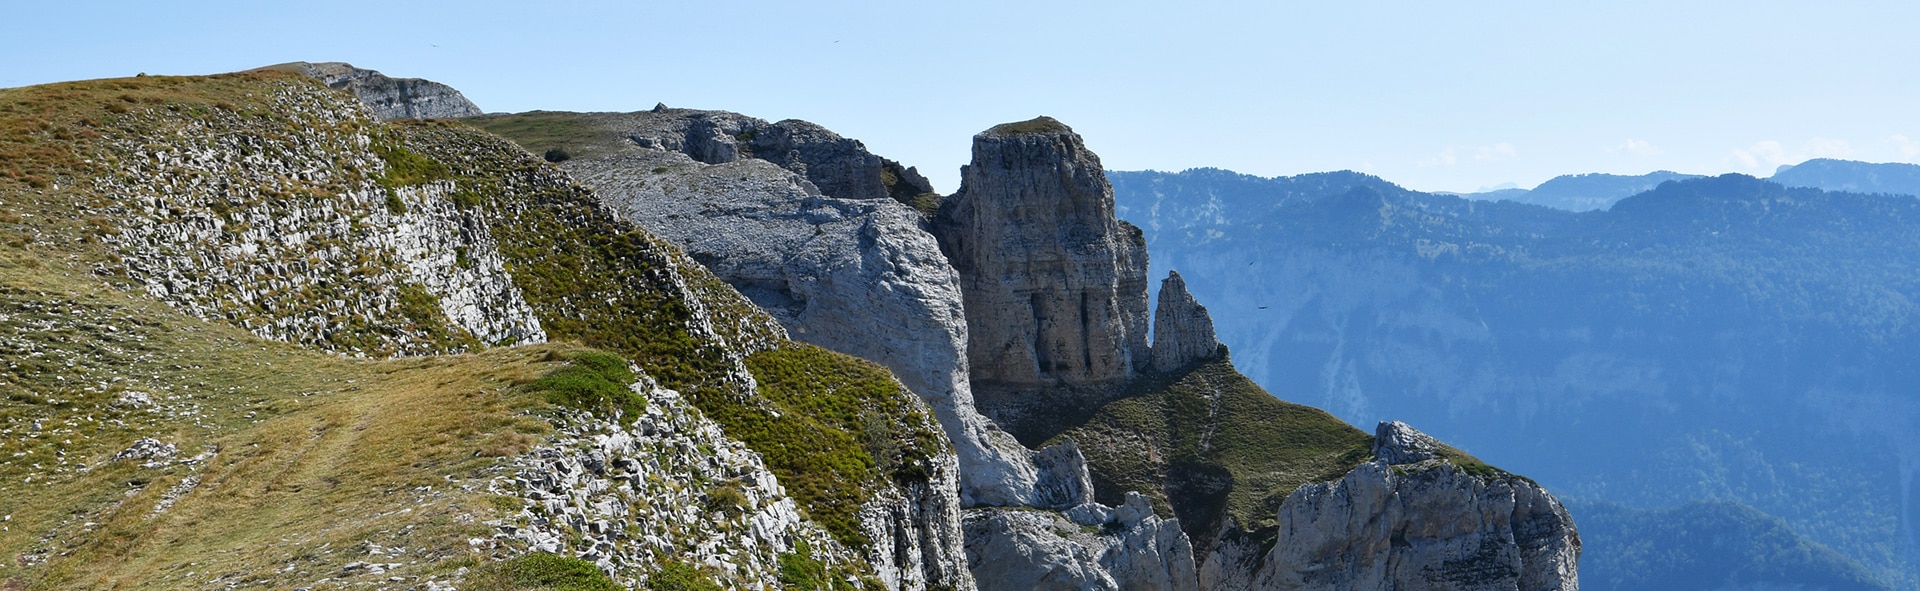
317, 457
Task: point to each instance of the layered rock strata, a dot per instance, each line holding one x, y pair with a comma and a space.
1055, 286
390, 98
1182, 330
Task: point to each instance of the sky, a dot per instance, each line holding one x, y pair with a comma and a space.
1434, 95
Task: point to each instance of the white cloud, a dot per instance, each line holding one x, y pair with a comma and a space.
1907, 147
1485, 153
1634, 147
1445, 158
1828, 148
1768, 155
1495, 152
1764, 154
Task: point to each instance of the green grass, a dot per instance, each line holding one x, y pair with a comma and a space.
580, 135
317, 454
1209, 444
1041, 124
819, 432
680, 576
593, 381
404, 167
544, 572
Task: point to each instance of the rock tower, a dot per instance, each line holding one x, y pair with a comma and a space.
1055, 286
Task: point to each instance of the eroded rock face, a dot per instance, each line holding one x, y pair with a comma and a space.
211, 228
1422, 525
1182, 330
838, 166
1055, 286
857, 276
1090, 547
390, 98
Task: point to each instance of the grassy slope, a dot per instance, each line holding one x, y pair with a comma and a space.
317, 455
588, 276
581, 135
1210, 444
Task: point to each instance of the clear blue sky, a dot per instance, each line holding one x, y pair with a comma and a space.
1434, 95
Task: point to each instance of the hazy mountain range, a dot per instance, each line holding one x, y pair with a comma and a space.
1592, 191
1727, 339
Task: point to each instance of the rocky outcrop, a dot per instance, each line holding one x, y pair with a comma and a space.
1091, 547
228, 219
1430, 524
837, 166
1055, 286
1182, 330
1395, 442
390, 98
598, 489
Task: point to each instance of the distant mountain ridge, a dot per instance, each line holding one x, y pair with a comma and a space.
1583, 192
1896, 178
1599, 191
1712, 338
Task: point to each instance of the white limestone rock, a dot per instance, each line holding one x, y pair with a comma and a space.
1428, 525
390, 98
1395, 442
1089, 547
856, 276
227, 218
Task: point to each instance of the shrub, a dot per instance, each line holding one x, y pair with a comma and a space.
593, 381
680, 576
545, 572
800, 572
726, 498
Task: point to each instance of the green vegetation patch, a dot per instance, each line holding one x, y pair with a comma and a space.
675, 575
594, 381
835, 429
1041, 124
800, 571
577, 135
540, 571
1209, 444
405, 167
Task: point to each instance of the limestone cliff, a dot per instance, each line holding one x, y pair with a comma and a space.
1055, 285
856, 275
390, 98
